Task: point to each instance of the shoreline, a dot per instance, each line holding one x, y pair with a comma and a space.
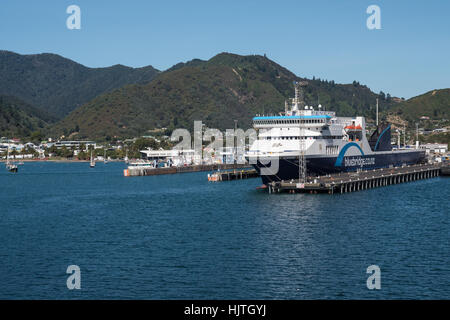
53, 160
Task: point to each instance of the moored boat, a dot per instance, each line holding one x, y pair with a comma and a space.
11, 167
92, 163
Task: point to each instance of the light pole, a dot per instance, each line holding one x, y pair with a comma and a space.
235, 142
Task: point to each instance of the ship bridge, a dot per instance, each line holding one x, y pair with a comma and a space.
311, 120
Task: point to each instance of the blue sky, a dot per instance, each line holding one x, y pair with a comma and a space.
328, 39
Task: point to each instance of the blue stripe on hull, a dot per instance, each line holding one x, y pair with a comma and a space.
288, 168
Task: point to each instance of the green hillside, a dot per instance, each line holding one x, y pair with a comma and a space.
19, 119
434, 104
216, 91
59, 85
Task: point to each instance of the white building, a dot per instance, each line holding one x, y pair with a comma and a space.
435, 147
76, 144
176, 157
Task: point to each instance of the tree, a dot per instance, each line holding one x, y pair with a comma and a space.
144, 143
82, 155
36, 137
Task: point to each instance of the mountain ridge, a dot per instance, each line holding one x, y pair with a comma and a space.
434, 104
59, 85
132, 101
216, 91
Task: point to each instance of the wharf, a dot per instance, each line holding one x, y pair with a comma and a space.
148, 171
233, 175
361, 180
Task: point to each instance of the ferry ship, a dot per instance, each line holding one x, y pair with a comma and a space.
303, 142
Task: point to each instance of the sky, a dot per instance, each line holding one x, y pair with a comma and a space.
408, 56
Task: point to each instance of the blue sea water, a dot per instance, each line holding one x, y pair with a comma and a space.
180, 237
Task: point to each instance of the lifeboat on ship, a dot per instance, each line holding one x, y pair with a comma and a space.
353, 128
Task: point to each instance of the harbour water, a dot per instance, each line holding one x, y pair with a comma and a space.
180, 237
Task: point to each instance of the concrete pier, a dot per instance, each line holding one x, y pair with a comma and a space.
233, 175
357, 181
149, 171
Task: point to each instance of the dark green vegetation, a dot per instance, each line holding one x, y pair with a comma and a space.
216, 91
434, 104
122, 102
59, 85
435, 138
19, 119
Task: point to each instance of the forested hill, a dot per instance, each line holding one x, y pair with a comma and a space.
59, 85
434, 104
217, 91
19, 119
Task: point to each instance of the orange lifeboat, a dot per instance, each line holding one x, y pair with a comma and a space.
353, 128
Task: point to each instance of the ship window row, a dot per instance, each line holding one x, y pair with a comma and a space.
332, 149
289, 121
304, 137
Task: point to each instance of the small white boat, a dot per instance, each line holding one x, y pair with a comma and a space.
141, 164
11, 167
92, 164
